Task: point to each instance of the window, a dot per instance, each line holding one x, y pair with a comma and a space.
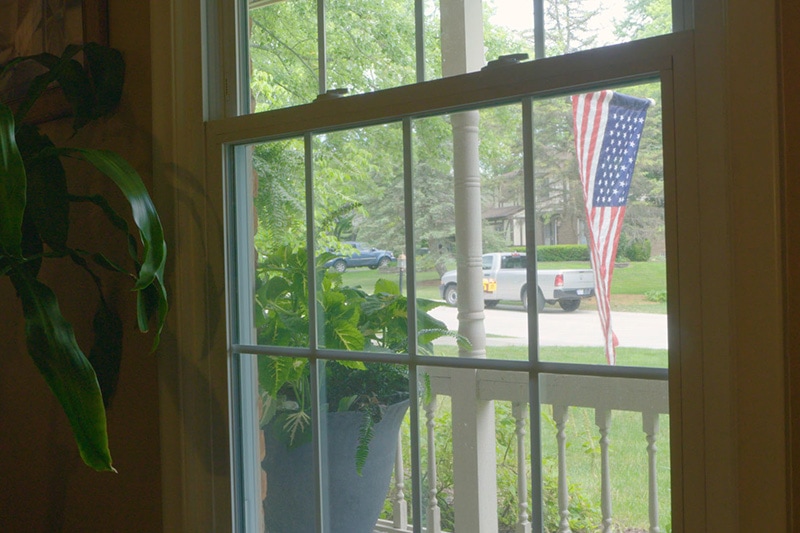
501, 418
725, 360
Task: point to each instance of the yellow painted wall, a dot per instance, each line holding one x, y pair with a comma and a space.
44, 486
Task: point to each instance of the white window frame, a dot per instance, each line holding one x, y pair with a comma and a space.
730, 374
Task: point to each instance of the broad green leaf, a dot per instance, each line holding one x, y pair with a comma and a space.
386, 286
343, 336
39, 85
274, 372
12, 186
107, 71
426, 321
354, 365
74, 82
52, 346
48, 199
32, 246
152, 301
106, 353
113, 217
103, 261
345, 403
426, 305
150, 231
144, 212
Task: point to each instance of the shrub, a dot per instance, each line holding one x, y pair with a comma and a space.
656, 296
637, 249
584, 514
563, 252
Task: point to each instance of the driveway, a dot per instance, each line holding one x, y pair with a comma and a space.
508, 327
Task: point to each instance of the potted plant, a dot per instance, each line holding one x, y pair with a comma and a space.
365, 402
35, 227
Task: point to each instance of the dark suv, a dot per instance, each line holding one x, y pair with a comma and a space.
364, 255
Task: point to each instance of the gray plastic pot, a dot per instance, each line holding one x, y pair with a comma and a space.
355, 502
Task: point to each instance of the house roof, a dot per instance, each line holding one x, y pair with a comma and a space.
493, 213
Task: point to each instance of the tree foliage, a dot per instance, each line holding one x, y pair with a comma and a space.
358, 174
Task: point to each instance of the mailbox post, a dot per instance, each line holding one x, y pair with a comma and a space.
401, 262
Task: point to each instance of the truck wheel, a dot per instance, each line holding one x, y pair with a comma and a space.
539, 300
490, 304
383, 262
451, 295
339, 265
569, 305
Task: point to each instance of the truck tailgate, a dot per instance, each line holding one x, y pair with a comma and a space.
578, 279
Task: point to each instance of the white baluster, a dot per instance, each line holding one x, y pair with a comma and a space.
434, 513
519, 410
650, 427
560, 413
399, 505
602, 418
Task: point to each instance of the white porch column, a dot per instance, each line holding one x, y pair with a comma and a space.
474, 463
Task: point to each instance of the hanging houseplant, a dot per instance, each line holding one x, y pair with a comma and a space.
34, 227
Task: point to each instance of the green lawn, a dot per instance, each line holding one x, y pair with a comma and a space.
629, 278
592, 355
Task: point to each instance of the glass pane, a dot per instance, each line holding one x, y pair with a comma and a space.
622, 209
434, 223
371, 45
285, 410
284, 59
475, 450
360, 232
367, 404
469, 193
605, 453
277, 193
507, 27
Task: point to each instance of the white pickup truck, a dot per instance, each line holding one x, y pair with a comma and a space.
504, 278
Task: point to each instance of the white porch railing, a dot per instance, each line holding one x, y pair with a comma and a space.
602, 394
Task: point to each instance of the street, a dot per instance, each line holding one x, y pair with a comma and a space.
507, 326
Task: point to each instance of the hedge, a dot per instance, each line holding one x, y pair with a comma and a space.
563, 252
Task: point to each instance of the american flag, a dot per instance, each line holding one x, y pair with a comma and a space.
608, 127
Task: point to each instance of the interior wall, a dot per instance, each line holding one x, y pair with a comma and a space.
44, 485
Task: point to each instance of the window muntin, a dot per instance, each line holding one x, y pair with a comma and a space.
299, 49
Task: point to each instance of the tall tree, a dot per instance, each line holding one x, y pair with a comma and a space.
644, 18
